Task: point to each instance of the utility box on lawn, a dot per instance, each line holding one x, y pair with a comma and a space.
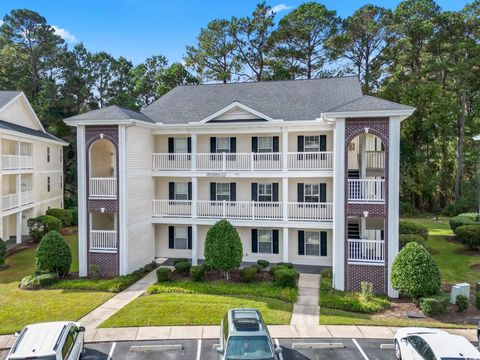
459, 289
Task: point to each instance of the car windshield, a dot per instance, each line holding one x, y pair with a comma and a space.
51, 357
249, 347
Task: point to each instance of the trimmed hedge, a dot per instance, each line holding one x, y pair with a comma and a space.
164, 274
74, 212
248, 274
197, 272
179, 260
434, 305
37, 281
263, 263
183, 267
462, 303
468, 235
404, 239
275, 267
462, 220
47, 279
53, 254
410, 227
3, 251
285, 278
65, 216
286, 264
41, 225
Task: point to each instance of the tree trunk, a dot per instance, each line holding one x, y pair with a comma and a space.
461, 138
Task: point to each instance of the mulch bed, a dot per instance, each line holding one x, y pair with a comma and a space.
213, 275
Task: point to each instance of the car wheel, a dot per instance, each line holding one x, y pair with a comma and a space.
398, 353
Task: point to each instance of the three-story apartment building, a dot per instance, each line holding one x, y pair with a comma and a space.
31, 166
306, 170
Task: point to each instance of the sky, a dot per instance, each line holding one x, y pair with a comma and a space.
137, 29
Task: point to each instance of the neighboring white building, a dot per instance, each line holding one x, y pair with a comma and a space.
31, 166
307, 170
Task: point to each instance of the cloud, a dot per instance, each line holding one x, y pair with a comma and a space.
280, 7
1, 22
64, 34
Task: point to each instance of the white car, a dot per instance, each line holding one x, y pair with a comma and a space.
61, 340
431, 344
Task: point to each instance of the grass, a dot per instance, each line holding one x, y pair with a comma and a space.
258, 289
194, 309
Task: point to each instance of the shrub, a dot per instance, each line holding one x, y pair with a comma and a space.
47, 279
179, 260
287, 265
477, 300
183, 268
258, 267
197, 272
366, 290
410, 227
223, 248
53, 254
461, 220
434, 305
404, 239
414, 272
74, 212
471, 215
285, 277
275, 267
462, 205
263, 263
41, 225
3, 251
164, 274
65, 216
248, 274
468, 235
30, 282
326, 273
462, 303
94, 271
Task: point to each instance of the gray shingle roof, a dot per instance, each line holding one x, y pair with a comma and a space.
27, 131
287, 100
113, 113
7, 96
370, 103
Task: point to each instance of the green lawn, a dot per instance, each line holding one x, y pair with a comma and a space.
194, 309
20, 307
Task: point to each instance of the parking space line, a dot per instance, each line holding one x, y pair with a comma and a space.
199, 348
360, 349
110, 354
280, 356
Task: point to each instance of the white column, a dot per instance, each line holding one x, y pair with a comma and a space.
393, 196
363, 156
285, 244
285, 198
194, 196
338, 205
194, 152
194, 244
19, 227
82, 201
122, 199
285, 149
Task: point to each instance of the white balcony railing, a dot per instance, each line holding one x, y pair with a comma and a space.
103, 240
310, 211
240, 210
375, 159
172, 208
10, 201
103, 187
242, 161
366, 190
26, 197
366, 251
15, 162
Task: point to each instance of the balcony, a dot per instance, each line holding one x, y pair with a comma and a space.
375, 160
242, 161
244, 210
27, 197
103, 241
10, 201
103, 187
17, 162
366, 251
366, 191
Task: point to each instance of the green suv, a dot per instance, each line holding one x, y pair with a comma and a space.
244, 335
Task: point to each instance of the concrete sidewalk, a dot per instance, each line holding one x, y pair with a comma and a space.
306, 310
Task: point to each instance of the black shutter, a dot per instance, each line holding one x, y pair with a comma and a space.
275, 192
275, 241
323, 193
171, 146
213, 145
254, 192
254, 144
189, 237
233, 145
213, 191
233, 192
189, 191
171, 191
300, 143
189, 145
301, 242
323, 142
300, 196
276, 144
171, 237
323, 243
254, 241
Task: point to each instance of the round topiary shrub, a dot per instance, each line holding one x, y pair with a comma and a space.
248, 274
462, 303
285, 277
434, 305
404, 239
65, 216
410, 227
275, 267
164, 274
462, 220
197, 272
183, 268
41, 225
286, 264
223, 248
53, 254
468, 235
179, 260
414, 272
263, 263
3, 251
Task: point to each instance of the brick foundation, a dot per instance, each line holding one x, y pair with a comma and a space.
370, 273
108, 263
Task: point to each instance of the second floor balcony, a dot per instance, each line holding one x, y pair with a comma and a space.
103, 187
17, 162
14, 200
366, 191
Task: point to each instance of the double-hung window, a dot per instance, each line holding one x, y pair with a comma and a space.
223, 145
312, 193
48, 183
265, 192
265, 144
312, 243
48, 154
265, 241
223, 192
181, 237
180, 145
181, 191
312, 143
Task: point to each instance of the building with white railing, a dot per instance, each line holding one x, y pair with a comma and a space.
31, 166
307, 171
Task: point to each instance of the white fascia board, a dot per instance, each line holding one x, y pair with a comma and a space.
476, 137
231, 106
403, 114
110, 122
17, 134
